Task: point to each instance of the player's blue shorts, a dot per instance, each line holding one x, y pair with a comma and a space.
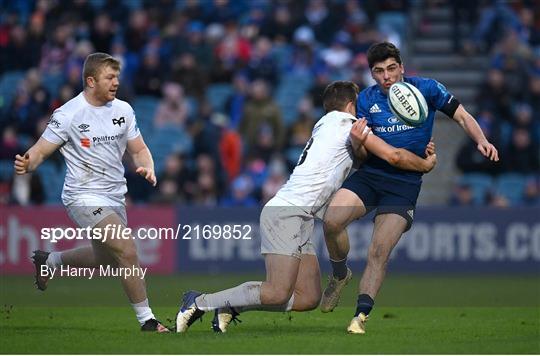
384, 194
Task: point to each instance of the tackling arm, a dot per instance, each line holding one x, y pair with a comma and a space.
399, 157
38, 153
142, 158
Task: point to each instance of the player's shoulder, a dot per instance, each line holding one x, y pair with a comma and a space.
122, 105
336, 119
422, 82
67, 111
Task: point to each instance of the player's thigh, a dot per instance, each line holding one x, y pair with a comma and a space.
112, 228
387, 231
281, 272
102, 254
345, 207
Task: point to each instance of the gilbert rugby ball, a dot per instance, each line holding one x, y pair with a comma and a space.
407, 103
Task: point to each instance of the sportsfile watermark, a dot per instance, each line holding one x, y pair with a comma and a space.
120, 232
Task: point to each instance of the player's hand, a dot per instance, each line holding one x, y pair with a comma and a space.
488, 150
360, 131
431, 162
148, 174
21, 164
430, 148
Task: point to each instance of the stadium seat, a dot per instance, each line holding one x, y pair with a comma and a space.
53, 82
290, 91
511, 186
145, 109
6, 170
217, 95
480, 185
167, 140
52, 178
8, 85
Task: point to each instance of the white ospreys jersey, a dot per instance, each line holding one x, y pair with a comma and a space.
324, 164
93, 141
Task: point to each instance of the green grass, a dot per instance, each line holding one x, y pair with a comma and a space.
414, 314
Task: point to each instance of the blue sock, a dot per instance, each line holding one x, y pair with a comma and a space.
339, 268
364, 304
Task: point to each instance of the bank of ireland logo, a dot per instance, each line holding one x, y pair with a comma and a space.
393, 120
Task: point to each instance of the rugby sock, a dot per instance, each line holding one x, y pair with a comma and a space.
246, 294
269, 308
54, 260
143, 311
339, 268
364, 304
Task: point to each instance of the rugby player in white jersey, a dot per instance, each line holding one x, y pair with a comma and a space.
286, 222
92, 132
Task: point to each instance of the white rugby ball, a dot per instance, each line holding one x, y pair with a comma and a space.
407, 103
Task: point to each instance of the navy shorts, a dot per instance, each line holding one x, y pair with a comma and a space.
384, 194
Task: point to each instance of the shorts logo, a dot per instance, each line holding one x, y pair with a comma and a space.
411, 213
97, 211
85, 142
119, 121
83, 128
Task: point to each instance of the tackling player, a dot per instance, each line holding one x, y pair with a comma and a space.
286, 222
377, 185
92, 132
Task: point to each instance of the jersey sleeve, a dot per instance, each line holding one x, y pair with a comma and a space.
132, 128
438, 95
56, 130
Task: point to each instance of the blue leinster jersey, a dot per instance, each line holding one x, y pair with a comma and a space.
372, 104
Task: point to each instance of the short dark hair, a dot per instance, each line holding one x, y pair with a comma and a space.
95, 62
379, 52
338, 94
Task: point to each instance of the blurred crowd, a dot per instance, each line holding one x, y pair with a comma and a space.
226, 92
508, 105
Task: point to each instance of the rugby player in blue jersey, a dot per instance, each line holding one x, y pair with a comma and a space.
377, 185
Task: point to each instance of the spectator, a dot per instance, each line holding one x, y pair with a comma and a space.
172, 110
187, 72
236, 102
523, 155
241, 193
102, 33
149, 78
262, 116
462, 195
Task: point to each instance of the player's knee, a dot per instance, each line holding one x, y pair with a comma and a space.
332, 225
311, 302
127, 256
278, 296
378, 254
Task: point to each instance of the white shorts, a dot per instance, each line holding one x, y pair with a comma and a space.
88, 210
286, 229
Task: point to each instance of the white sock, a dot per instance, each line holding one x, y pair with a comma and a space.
143, 311
269, 308
54, 260
246, 294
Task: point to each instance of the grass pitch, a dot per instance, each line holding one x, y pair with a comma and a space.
413, 314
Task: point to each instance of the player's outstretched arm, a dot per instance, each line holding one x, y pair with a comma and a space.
142, 158
34, 156
471, 127
401, 158
358, 135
